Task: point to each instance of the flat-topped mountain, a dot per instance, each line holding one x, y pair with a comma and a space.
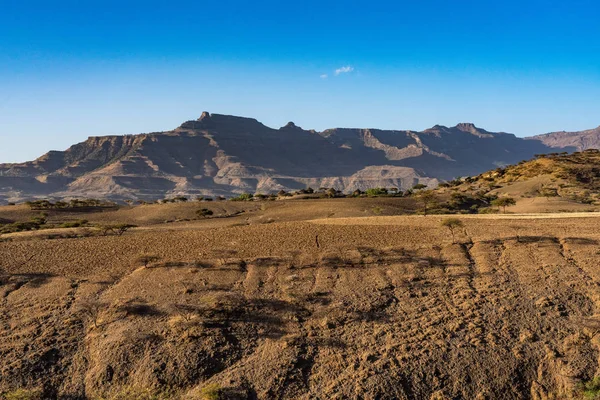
224, 155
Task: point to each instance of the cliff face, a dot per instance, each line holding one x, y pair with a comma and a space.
224, 155
582, 140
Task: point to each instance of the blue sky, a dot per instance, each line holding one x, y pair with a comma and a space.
73, 69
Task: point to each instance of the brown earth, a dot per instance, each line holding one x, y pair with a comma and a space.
303, 299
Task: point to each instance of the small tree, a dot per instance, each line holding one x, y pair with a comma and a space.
427, 199
90, 309
504, 202
419, 186
118, 229
452, 224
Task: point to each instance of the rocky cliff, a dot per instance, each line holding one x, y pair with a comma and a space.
224, 155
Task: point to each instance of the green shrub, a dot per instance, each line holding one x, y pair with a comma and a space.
211, 392
376, 192
243, 197
23, 394
74, 224
591, 388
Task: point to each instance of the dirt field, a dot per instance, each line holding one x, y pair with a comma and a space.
328, 299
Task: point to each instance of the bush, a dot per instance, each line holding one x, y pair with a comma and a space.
74, 224
24, 394
204, 212
591, 388
243, 197
211, 392
374, 192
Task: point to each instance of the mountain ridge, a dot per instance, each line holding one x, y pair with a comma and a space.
220, 154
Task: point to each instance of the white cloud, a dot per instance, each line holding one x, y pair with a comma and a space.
324, 76
344, 70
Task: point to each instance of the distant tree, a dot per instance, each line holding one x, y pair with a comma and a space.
243, 197
281, 193
452, 224
374, 192
309, 190
504, 202
357, 193
419, 186
180, 199
427, 199
116, 229
199, 198
331, 193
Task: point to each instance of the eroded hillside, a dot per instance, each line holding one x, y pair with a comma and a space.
264, 306
561, 179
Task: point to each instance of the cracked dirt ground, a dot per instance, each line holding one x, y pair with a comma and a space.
385, 308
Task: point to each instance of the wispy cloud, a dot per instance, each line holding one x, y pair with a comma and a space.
324, 76
344, 70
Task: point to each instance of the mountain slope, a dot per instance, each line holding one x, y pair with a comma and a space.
582, 140
223, 155
547, 183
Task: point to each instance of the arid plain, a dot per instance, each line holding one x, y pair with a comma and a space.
313, 299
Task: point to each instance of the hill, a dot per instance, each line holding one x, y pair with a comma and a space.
224, 155
549, 183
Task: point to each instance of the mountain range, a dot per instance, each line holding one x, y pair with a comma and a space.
227, 155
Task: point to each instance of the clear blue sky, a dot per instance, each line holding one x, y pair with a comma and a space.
72, 69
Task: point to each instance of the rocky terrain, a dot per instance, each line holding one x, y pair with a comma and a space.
225, 155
